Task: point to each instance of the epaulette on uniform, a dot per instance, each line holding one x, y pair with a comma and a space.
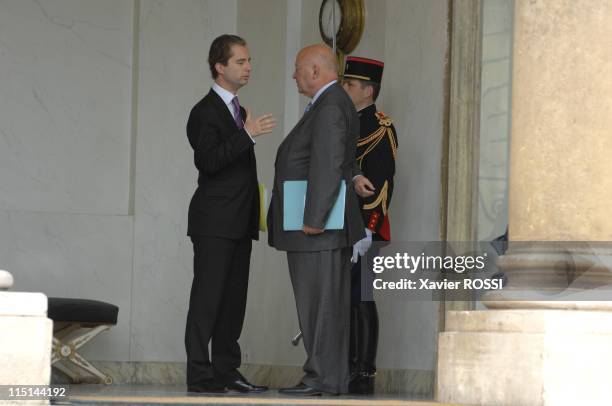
373, 139
383, 119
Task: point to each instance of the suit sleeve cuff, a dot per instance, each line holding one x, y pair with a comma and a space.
240, 141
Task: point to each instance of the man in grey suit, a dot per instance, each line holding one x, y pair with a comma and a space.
321, 150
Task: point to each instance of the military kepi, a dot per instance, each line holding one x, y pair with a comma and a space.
363, 69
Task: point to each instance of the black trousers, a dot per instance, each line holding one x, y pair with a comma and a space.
216, 308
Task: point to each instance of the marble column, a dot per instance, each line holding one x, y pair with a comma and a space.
560, 188
560, 194
545, 340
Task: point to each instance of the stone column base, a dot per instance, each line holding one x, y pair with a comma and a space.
526, 357
25, 342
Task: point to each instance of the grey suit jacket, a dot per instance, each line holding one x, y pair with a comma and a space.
319, 149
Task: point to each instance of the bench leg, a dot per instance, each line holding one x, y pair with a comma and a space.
74, 377
67, 351
77, 359
83, 339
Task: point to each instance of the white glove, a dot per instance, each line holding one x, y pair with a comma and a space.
362, 246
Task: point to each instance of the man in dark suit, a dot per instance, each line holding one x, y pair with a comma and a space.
321, 150
223, 219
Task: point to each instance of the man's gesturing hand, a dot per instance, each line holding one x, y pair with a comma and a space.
260, 125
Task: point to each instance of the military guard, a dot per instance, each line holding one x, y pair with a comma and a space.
376, 154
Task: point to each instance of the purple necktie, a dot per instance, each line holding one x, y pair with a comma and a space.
237, 117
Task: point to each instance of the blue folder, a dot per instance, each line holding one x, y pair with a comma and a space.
294, 195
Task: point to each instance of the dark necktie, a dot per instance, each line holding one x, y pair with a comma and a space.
308, 107
237, 117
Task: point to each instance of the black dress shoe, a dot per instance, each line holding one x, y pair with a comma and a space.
242, 385
362, 383
300, 390
210, 386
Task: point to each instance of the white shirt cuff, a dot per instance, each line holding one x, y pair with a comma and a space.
245, 130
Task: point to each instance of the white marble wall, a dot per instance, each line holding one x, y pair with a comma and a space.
372, 43
271, 319
65, 90
69, 123
172, 76
73, 255
65, 105
80, 106
413, 95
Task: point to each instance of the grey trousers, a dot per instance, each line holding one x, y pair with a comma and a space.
321, 284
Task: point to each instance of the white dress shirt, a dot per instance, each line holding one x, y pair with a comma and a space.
227, 98
321, 90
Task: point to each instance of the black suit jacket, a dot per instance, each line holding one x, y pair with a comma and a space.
226, 202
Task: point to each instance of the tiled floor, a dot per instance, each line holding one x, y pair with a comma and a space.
176, 395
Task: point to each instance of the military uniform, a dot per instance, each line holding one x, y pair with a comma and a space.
376, 154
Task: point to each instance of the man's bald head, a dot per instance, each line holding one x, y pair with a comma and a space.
315, 66
321, 55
